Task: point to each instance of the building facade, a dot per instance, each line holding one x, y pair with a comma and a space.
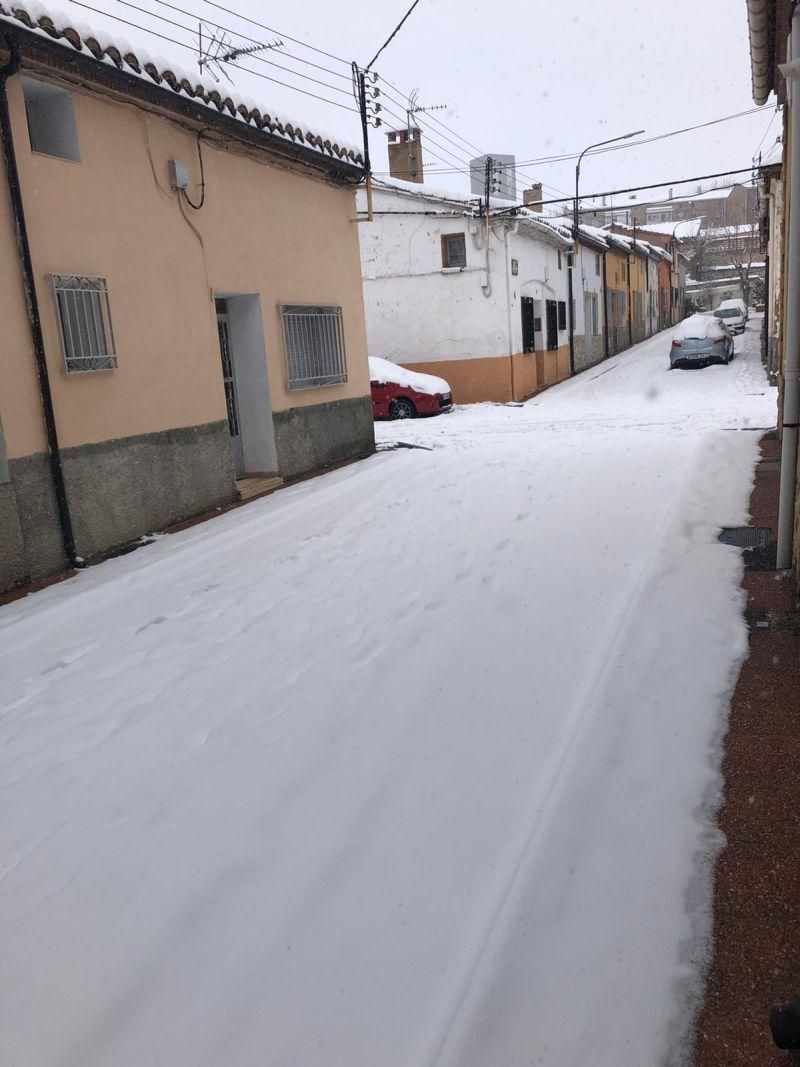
480, 302
774, 29
195, 272
588, 299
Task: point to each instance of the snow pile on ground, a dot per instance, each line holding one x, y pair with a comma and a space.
408, 765
383, 371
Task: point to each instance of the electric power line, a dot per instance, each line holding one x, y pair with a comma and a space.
429, 151
192, 48
653, 185
469, 144
391, 36
542, 160
480, 151
769, 127
270, 29
255, 40
260, 59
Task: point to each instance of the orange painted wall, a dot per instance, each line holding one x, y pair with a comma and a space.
263, 229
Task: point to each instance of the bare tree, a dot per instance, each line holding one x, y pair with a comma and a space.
742, 245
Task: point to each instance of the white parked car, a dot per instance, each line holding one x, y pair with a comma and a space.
734, 314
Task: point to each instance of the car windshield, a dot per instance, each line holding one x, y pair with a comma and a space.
727, 313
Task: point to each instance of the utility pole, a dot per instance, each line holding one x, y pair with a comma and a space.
368, 113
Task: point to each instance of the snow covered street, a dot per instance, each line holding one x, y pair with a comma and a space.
410, 764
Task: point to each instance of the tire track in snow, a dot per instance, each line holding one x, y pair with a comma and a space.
587, 701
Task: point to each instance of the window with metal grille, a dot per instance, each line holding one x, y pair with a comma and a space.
454, 250
84, 321
562, 315
314, 341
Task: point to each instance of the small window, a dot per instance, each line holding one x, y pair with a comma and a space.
84, 320
51, 120
569, 259
562, 315
314, 339
559, 259
515, 266
454, 250
595, 315
597, 263
537, 316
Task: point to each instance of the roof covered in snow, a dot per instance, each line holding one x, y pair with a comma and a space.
689, 228
709, 194
500, 210
167, 76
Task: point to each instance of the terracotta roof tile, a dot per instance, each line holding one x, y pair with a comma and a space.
172, 81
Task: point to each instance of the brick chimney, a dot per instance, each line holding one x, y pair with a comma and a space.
532, 197
405, 154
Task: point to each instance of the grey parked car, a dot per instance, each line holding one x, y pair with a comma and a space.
700, 340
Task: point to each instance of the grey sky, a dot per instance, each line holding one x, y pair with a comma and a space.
530, 79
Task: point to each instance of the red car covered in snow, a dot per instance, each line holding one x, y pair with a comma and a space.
398, 393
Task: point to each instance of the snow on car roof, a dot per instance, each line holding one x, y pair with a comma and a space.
698, 327
383, 371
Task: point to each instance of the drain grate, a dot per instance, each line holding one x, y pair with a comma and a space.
745, 536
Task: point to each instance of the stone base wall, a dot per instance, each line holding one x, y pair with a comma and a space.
618, 339
316, 436
117, 490
586, 357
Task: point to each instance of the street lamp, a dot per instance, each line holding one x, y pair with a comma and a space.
600, 144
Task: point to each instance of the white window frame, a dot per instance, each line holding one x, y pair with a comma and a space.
83, 313
313, 337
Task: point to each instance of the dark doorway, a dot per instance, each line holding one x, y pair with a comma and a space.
551, 312
528, 325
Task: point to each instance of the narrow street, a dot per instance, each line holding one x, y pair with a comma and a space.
414, 763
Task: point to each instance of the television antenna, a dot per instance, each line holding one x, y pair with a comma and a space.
216, 49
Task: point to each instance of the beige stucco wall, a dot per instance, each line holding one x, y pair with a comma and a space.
263, 229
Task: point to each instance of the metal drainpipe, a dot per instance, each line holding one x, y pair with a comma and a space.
508, 313
32, 303
570, 286
605, 307
791, 366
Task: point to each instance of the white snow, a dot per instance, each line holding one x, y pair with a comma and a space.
689, 228
383, 370
698, 327
411, 764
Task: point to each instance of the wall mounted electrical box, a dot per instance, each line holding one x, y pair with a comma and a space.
178, 174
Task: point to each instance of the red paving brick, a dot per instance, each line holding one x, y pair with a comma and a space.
756, 961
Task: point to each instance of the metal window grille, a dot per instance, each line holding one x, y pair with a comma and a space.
454, 250
84, 321
562, 315
314, 340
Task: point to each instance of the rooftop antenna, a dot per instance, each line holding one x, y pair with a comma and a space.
414, 108
215, 49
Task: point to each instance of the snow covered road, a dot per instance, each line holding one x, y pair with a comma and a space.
407, 765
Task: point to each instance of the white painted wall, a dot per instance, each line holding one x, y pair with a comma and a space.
416, 311
589, 279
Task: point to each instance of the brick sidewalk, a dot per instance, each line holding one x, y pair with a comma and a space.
756, 959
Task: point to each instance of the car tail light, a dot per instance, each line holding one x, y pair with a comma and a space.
719, 341
676, 344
